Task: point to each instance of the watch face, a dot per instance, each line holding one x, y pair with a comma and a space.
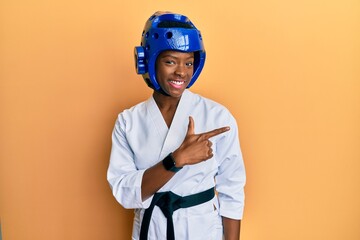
169, 164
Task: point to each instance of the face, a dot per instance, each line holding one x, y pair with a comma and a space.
174, 71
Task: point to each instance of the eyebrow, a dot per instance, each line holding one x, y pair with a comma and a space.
169, 55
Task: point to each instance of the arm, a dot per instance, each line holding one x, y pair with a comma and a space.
153, 179
194, 149
230, 182
231, 228
132, 187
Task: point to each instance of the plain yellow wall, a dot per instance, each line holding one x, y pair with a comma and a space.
288, 71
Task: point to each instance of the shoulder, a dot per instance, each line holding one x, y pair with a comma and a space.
128, 115
209, 105
209, 114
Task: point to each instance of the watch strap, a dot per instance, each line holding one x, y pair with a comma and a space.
169, 163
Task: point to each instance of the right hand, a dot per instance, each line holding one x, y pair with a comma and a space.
196, 147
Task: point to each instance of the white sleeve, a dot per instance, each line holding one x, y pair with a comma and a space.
123, 176
230, 179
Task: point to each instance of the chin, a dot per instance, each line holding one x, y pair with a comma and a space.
176, 93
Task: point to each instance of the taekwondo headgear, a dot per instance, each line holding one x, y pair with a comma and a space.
158, 37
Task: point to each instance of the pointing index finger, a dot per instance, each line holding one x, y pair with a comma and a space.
190, 126
215, 132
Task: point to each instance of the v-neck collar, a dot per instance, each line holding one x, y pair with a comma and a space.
173, 136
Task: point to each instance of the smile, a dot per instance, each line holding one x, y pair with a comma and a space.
178, 83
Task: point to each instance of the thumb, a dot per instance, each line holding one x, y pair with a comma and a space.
190, 130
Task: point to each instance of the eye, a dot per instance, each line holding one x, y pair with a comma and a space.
189, 64
170, 62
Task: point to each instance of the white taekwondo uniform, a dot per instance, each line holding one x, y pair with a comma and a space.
141, 139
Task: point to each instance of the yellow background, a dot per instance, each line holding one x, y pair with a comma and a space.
287, 70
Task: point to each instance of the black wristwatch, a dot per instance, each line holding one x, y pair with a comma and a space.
169, 164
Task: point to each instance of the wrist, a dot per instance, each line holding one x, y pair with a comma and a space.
170, 164
177, 159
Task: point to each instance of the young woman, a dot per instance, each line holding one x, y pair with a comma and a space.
176, 157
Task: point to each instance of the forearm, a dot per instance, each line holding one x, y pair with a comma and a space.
157, 176
231, 228
153, 179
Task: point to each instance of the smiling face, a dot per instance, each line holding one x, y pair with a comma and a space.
174, 71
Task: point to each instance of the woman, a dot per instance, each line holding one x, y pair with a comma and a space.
171, 153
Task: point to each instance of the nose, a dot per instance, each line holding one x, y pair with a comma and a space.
180, 71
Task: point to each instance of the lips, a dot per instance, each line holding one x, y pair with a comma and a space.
176, 84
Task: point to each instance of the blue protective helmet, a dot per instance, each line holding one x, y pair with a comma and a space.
158, 37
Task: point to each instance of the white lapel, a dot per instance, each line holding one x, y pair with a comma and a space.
171, 138
178, 128
157, 119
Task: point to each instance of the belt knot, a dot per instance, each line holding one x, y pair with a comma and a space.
169, 202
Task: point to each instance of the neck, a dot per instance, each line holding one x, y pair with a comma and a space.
166, 102
167, 106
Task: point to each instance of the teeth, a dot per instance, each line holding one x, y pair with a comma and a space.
177, 82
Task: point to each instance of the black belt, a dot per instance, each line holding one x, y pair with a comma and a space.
169, 202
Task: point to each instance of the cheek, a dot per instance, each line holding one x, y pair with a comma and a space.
191, 72
160, 74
